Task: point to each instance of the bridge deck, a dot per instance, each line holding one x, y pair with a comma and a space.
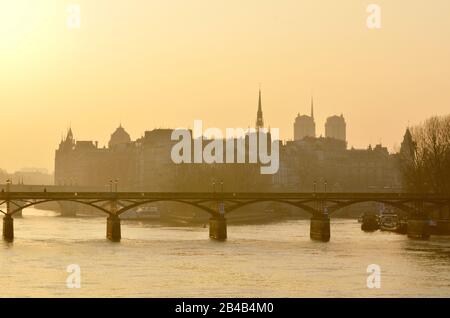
223, 196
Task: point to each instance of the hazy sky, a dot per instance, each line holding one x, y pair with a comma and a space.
165, 63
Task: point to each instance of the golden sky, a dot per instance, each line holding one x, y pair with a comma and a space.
165, 63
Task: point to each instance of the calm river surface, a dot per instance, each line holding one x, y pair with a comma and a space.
272, 260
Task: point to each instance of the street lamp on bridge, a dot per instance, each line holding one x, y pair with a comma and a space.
113, 185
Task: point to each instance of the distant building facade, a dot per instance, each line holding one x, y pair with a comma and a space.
145, 164
119, 138
308, 162
28, 176
314, 162
304, 125
335, 127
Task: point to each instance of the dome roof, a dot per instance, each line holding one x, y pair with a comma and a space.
120, 136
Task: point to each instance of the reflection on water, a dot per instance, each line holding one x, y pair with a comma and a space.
257, 260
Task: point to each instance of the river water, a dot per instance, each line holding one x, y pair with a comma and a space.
270, 260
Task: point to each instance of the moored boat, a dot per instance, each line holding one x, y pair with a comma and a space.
369, 223
143, 213
389, 222
402, 226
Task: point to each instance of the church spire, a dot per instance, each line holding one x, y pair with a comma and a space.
69, 134
259, 115
312, 107
408, 146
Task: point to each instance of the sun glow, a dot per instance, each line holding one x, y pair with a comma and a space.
16, 24
25, 26
153, 63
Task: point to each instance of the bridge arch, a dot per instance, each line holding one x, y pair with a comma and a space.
292, 203
30, 204
399, 205
331, 208
191, 203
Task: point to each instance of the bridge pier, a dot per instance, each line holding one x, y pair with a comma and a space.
320, 228
113, 228
18, 205
18, 214
8, 228
218, 228
418, 229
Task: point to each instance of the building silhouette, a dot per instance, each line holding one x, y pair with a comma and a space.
259, 114
335, 127
304, 125
311, 161
145, 164
119, 138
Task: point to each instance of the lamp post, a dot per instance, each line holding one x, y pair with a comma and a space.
221, 204
8, 184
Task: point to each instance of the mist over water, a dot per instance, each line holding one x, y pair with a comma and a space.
270, 260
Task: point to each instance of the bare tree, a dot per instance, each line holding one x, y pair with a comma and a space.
425, 157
